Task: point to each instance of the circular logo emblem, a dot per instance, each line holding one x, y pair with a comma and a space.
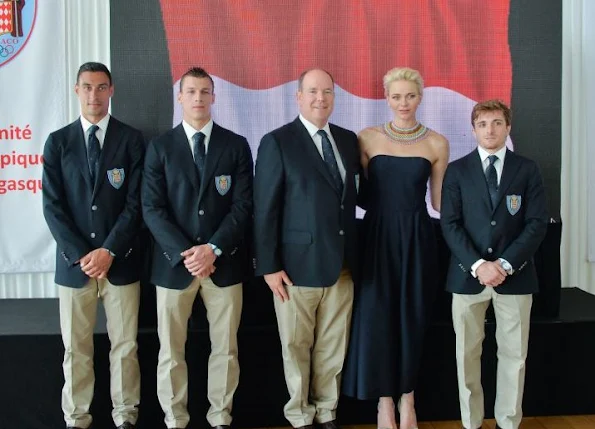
17, 18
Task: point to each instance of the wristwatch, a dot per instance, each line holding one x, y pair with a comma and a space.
113, 255
216, 250
506, 266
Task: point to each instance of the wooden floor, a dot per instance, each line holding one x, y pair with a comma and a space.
562, 422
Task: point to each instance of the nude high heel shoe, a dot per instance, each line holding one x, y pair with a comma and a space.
399, 410
389, 427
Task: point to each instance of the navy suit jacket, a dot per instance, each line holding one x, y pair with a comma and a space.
180, 213
301, 223
513, 230
83, 216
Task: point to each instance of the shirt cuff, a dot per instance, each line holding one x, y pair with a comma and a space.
475, 266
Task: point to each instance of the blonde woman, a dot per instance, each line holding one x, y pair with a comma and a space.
398, 286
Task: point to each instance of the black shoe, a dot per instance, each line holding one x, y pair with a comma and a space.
126, 425
222, 427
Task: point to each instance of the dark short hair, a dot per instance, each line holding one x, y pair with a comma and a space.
305, 72
196, 72
94, 67
491, 106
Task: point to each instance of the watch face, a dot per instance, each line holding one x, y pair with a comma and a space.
217, 252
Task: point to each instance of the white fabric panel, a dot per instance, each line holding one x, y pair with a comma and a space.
587, 67
86, 30
576, 177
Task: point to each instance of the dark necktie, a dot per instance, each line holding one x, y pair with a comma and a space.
199, 153
93, 152
492, 179
331, 162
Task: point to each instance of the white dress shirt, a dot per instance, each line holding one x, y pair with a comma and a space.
190, 131
100, 133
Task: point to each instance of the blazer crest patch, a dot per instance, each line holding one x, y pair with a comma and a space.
513, 204
223, 184
116, 177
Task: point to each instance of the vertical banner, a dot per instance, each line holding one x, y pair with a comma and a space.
588, 66
32, 104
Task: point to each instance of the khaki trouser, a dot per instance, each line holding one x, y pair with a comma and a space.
512, 337
314, 332
224, 309
78, 311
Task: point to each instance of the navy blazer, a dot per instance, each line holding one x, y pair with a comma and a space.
513, 230
181, 214
83, 216
301, 223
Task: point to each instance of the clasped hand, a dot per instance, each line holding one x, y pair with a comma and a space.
491, 274
97, 263
200, 260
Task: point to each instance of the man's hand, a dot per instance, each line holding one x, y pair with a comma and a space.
490, 273
277, 282
199, 260
97, 263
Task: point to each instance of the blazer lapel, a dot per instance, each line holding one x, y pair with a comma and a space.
304, 138
79, 149
217, 145
479, 179
509, 171
182, 156
110, 147
343, 151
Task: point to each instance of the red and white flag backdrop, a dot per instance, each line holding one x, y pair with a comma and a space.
256, 50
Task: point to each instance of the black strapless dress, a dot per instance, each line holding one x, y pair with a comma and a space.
396, 293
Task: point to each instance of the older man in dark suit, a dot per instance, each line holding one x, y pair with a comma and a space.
91, 202
493, 219
306, 179
197, 203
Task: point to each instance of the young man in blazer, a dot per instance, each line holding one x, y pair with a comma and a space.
305, 243
91, 202
493, 219
197, 203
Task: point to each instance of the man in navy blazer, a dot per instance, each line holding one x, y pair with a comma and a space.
306, 179
91, 202
197, 203
493, 219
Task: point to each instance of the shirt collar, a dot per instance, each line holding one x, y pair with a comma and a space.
190, 130
483, 154
102, 124
313, 129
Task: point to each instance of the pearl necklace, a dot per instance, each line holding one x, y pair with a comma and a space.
405, 135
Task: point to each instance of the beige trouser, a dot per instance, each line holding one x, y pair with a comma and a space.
224, 309
78, 311
512, 337
314, 331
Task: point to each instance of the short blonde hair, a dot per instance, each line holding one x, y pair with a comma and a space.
403, 73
